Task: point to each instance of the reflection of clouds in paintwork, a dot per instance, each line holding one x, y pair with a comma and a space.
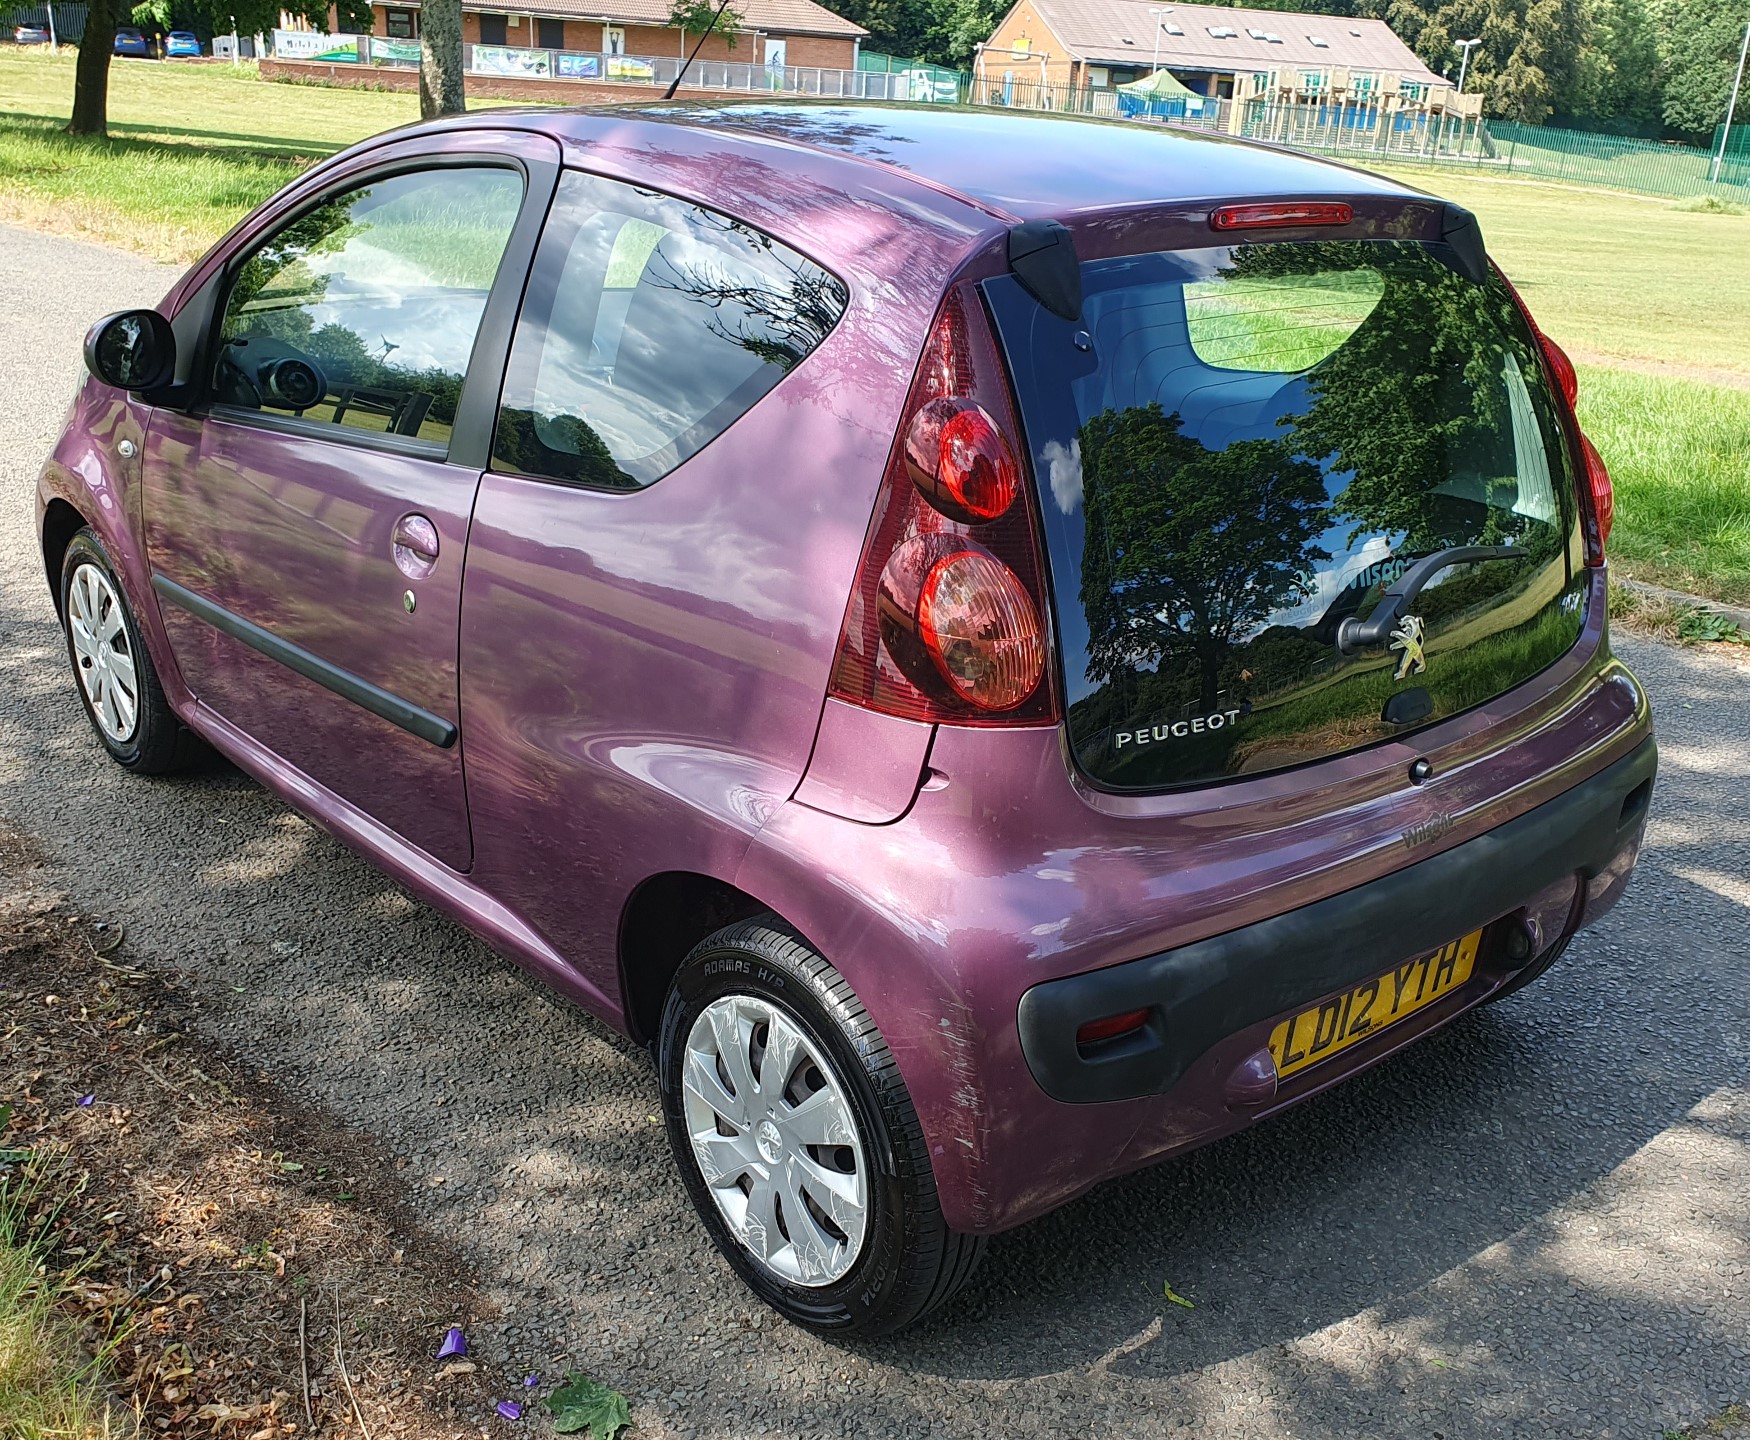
1065, 465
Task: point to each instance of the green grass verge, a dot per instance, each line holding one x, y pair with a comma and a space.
49, 1389
1679, 454
168, 202
1618, 279
192, 147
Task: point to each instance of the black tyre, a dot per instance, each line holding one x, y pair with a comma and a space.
797, 1140
112, 669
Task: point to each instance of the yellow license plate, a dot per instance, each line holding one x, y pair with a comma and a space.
1323, 1031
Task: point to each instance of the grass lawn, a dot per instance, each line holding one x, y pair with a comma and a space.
1679, 454
48, 1390
193, 148
1618, 279
1653, 299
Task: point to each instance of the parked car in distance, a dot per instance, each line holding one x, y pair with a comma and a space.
181, 45
31, 35
1001, 647
129, 41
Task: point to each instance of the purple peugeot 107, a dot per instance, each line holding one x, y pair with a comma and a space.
1002, 647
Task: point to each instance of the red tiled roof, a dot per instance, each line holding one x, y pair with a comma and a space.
1120, 32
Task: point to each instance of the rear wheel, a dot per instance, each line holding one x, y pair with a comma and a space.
797, 1140
123, 699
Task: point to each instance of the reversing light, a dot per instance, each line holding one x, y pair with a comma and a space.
960, 461
1112, 1027
980, 627
1277, 214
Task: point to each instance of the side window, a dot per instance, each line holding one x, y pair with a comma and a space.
650, 326
362, 312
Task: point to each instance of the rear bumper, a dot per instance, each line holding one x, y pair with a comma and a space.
1530, 882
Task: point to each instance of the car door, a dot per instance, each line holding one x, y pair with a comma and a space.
306, 518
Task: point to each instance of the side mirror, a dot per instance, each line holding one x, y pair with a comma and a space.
132, 350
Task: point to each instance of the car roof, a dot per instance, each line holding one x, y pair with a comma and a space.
1016, 164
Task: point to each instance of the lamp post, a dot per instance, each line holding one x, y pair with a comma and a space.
1157, 11
1464, 64
1732, 105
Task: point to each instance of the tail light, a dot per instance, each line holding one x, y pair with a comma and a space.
947, 622
1600, 509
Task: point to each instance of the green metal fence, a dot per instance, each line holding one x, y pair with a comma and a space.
1618, 162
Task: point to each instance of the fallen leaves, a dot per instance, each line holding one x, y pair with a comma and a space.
585, 1404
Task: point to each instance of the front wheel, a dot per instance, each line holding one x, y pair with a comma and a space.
796, 1138
123, 699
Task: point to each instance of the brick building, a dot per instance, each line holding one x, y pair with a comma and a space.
772, 32
1102, 44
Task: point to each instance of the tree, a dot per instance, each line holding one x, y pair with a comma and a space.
91, 70
1619, 72
1702, 40
1188, 548
214, 17
441, 90
701, 17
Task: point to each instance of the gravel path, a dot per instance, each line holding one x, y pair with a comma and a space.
1538, 1223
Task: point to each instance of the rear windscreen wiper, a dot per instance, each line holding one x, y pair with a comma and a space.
1355, 635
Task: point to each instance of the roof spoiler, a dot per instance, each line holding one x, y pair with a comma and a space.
1043, 257
1459, 229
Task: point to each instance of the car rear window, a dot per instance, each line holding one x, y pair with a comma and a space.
1241, 448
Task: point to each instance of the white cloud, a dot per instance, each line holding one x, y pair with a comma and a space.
1066, 474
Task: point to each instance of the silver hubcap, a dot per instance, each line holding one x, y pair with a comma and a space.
100, 649
774, 1137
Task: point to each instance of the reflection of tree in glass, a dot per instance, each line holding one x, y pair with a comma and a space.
778, 309
1415, 398
561, 446
280, 263
1188, 548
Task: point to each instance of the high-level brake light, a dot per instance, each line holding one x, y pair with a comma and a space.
1276, 214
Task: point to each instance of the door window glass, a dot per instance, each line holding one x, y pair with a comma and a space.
362, 312
650, 327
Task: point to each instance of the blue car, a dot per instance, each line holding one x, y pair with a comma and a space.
181, 44
129, 41
31, 35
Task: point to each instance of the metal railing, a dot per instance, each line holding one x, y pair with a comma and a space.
69, 20
515, 62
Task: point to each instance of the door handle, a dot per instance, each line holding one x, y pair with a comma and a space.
414, 544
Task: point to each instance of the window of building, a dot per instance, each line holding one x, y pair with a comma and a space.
550, 34
492, 30
401, 24
651, 326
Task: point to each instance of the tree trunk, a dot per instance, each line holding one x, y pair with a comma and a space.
91, 71
440, 59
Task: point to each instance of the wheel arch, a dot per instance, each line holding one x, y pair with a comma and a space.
662, 920
61, 522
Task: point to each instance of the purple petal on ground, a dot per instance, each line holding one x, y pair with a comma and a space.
455, 1343
530, 1381
509, 1409
87, 1099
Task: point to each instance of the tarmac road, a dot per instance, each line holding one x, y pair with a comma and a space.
1536, 1223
